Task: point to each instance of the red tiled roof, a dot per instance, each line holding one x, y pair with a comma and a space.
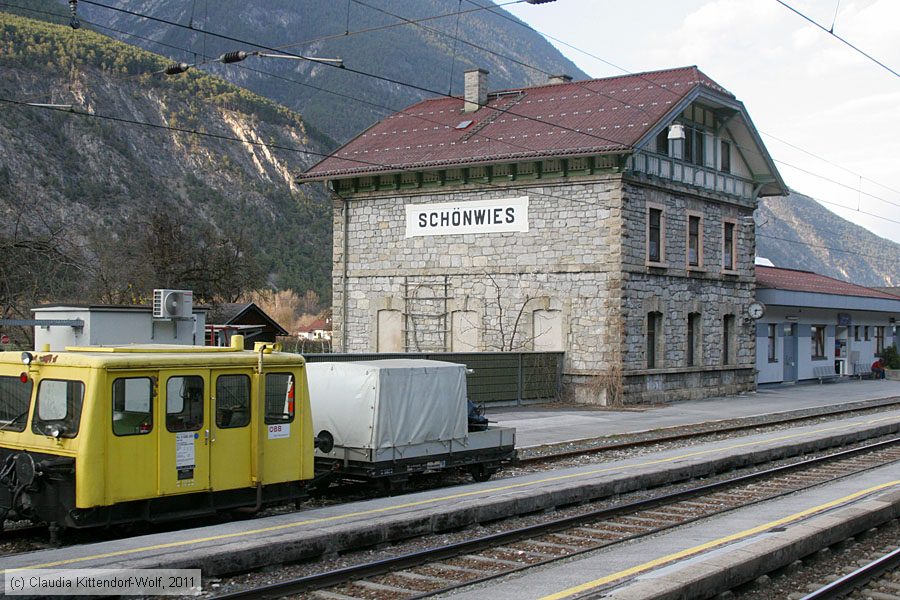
807, 281
568, 119
318, 324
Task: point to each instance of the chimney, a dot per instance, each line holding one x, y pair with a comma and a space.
561, 78
476, 90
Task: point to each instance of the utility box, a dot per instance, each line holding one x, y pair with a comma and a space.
105, 325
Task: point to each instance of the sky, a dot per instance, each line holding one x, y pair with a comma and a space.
825, 112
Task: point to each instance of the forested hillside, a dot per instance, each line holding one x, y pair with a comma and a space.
109, 194
799, 233
378, 53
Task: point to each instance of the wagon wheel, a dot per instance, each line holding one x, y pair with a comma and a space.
481, 472
393, 485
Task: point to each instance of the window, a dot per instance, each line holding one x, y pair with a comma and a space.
694, 347
727, 339
662, 142
772, 339
232, 401
856, 333
279, 398
728, 246
655, 235
879, 339
693, 146
58, 408
15, 402
184, 403
726, 157
866, 330
132, 406
694, 246
654, 339
817, 342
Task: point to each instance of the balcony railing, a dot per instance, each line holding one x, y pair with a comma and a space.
672, 169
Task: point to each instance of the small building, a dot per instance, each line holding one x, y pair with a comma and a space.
814, 322
611, 219
103, 324
246, 319
320, 329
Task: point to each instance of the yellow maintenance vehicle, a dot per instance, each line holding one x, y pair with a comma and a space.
98, 435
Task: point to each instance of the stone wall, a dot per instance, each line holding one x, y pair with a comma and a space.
582, 264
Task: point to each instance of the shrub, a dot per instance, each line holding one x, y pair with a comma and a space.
891, 357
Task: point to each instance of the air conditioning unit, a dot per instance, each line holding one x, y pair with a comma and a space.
173, 304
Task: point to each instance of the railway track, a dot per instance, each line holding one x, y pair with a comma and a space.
442, 569
31, 538
880, 579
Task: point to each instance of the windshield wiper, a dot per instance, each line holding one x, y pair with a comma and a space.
8, 423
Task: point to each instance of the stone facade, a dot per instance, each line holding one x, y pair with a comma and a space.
578, 280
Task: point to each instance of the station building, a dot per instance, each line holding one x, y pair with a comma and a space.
815, 326
610, 219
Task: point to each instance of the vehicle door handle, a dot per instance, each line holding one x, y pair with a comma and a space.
206, 436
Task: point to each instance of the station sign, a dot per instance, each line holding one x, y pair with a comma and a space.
476, 216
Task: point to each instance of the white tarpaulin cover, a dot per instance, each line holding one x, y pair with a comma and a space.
388, 403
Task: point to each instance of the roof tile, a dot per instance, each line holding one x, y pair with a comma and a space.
807, 281
588, 117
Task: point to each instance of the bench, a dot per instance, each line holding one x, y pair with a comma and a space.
825, 374
862, 371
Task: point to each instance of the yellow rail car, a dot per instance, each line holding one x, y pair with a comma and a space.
111, 434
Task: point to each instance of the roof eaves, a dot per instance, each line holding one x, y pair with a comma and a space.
487, 160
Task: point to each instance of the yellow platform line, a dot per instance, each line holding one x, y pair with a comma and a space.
427, 501
658, 562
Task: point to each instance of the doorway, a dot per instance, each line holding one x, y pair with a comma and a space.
790, 352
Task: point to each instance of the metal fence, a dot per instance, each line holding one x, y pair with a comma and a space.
499, 378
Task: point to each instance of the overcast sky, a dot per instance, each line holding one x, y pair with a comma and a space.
799, 83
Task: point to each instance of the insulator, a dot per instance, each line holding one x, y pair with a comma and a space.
233, 57
74, 23
176, 68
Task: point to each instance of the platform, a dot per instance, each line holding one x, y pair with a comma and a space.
244, 545
548, 424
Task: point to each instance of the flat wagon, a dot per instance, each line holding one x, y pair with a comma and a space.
392, 419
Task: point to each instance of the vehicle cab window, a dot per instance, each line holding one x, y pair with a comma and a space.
15, 403
184, 403
132, 405
279, 398
58, 409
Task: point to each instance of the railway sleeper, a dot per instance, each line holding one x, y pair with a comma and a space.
531, 553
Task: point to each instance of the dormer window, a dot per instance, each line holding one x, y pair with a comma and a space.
725, 154
693, 146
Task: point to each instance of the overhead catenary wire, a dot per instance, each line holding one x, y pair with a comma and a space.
387, 108
836, 36
753, 150
382, 78
421, 88
227, 138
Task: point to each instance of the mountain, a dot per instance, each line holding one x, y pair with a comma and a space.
377, 52
116, 196
796, 232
